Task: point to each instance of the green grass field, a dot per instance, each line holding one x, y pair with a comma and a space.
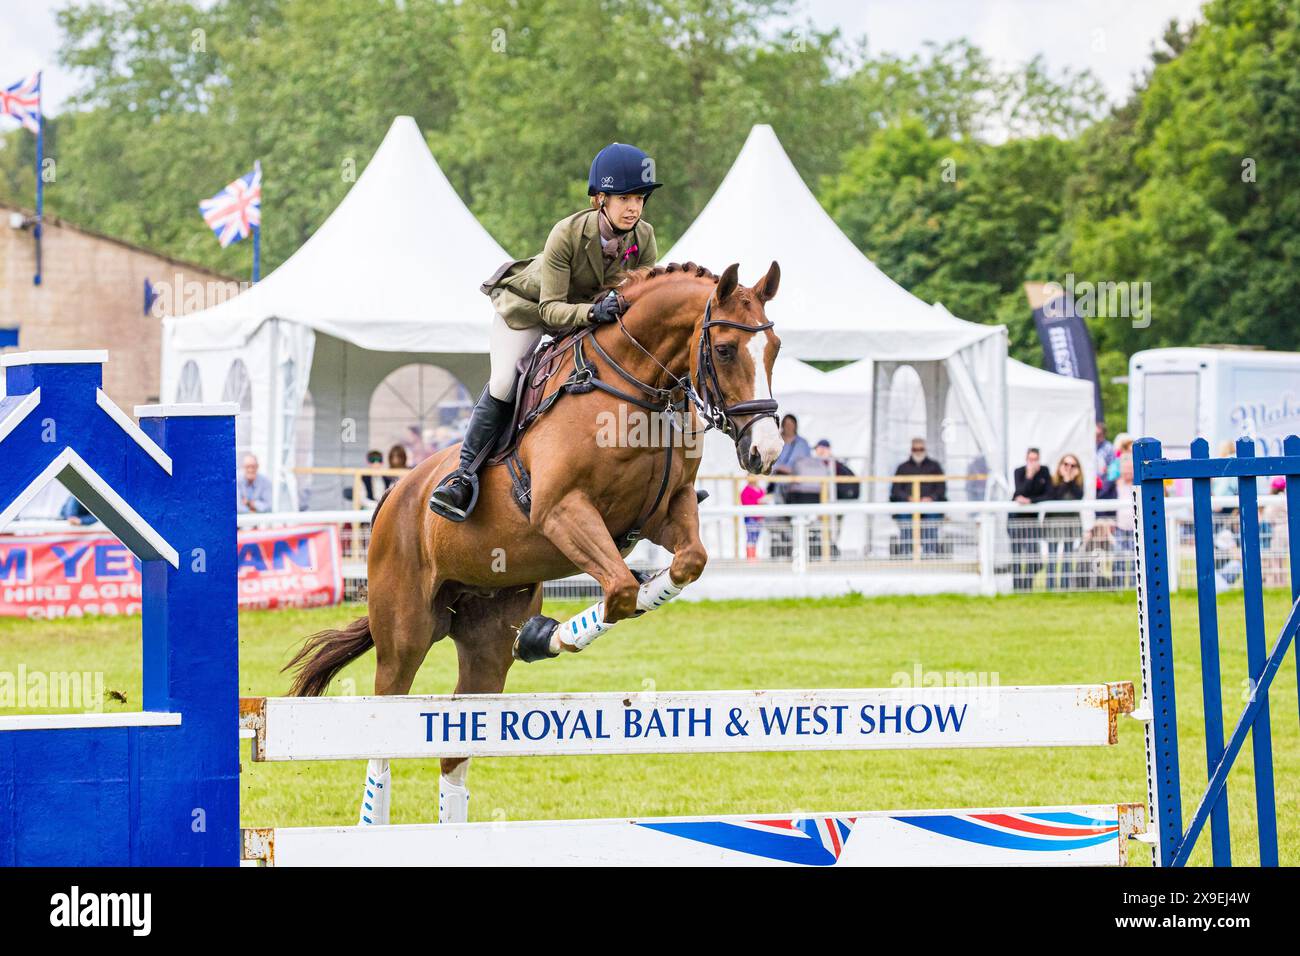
845, 642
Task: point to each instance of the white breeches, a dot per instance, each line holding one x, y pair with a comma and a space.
507, 346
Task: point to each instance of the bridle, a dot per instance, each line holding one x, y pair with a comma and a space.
703, 390
706, 391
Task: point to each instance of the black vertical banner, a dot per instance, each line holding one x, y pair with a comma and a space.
1067, 346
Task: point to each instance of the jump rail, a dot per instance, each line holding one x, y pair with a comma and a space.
704, 722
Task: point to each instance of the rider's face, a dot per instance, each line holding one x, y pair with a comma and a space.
624, 211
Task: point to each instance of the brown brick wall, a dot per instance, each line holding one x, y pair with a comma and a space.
91, 296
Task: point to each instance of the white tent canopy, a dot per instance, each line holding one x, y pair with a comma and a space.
389, 279
834, 304
1054, 414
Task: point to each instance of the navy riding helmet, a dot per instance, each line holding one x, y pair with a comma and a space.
619, 169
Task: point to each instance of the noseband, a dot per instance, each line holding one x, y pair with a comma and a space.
707, 393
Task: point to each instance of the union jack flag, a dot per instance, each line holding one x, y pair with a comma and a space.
22, 101
233, 212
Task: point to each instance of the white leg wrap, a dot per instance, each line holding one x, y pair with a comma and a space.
453, 795
581, 629
374, 804
657, 592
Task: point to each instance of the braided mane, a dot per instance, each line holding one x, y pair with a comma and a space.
633, 280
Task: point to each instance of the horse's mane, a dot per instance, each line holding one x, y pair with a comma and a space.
631, 282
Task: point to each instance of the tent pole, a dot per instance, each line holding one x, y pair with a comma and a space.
273, 433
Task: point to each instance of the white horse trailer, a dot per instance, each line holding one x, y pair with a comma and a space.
1220, 393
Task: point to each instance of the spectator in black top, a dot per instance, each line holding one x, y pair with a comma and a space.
919, 464
1063, 530
1033, 484
844, 490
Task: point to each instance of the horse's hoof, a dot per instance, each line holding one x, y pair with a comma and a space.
534, 640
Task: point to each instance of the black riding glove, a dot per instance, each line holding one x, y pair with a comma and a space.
608, 309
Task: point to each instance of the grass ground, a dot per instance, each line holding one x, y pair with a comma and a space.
843, 642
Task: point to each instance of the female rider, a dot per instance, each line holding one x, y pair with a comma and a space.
553, 291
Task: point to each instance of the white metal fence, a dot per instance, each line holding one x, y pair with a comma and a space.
882, 548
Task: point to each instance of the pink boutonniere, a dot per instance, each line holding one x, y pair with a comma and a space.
631, 251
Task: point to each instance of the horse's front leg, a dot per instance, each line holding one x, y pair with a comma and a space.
680, 533
577, 529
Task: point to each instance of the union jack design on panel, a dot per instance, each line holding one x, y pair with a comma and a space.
810, 841
22, 101
233, 212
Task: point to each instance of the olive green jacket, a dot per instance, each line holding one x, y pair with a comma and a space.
555, 289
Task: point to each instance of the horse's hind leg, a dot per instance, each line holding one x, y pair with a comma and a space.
403, 633
484, 630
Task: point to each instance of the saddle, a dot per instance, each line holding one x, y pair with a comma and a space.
531, 403
535, 371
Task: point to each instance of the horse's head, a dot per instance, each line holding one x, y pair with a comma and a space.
732, 366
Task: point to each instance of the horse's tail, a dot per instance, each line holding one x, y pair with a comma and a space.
326, 653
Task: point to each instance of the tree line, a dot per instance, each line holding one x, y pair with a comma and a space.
960, 178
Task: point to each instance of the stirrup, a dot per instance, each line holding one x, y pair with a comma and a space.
447, 511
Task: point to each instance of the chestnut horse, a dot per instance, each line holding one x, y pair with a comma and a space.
692, 347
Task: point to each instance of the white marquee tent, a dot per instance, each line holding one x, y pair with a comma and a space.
835, 304
389, 279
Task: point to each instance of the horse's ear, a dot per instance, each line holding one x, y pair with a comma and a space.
766, 288
727, 282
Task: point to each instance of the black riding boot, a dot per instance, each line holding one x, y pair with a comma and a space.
455, 496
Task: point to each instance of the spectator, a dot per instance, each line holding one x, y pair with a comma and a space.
1105, 452
1064, 531
1124, 527
1032, 485
254, 491
844, 490
793, 450
375, 460
752, 494
977, 487
1273, 534
1225, 486
1123, 446
416, 449
919, 464
76, 514
1227, 556
816, 467
396, 459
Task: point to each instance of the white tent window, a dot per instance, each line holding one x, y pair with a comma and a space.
421, 407
906, 418
239, 389
190, 387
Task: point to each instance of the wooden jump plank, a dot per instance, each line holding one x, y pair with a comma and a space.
1089, 835
501, 725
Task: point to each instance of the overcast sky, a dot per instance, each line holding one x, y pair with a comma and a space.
1112, 38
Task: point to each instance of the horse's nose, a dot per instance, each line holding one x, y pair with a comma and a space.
754, 464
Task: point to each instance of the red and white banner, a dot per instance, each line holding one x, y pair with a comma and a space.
72, 575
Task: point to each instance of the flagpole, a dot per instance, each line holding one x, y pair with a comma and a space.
257, 230
40, 183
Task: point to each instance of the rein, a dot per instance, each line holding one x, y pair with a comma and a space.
703, 391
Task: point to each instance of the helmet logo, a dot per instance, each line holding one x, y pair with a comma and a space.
607, 182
